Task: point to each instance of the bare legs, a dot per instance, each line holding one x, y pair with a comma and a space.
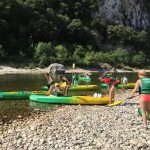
145, 106
111, 94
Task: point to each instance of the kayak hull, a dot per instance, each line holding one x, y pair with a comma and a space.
129, 86
19, 95
87, 100
77, 88
84, 79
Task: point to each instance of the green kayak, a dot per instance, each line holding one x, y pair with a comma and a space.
20, 95
77, 88
129, 86
140, 113
84, 79
87, 100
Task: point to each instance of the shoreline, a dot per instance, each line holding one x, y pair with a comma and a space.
80, 127
12, 70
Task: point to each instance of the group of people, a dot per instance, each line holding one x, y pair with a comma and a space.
64, 84
142, 86
55, 88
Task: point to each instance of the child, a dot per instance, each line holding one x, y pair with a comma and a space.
54, 90
66, 88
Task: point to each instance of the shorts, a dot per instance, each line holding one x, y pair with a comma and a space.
115, 83
145, 97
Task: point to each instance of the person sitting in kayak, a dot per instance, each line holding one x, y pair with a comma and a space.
75, 79
112, 82
49, 79
124, 82
67, 86
54, 90
143, 84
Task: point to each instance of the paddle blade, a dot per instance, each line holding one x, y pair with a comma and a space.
73, 65
116, 103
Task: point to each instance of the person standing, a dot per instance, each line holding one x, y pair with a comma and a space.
143, 85
124, 82
75, 79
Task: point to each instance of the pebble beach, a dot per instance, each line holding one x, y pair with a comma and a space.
80, 127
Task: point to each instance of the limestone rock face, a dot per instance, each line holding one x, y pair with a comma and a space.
128, 12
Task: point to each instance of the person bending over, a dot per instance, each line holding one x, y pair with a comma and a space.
112, 82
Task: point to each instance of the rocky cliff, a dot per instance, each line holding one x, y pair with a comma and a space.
134, 13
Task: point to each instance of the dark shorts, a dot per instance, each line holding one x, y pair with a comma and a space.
115, 83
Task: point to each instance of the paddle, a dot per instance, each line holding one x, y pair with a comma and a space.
73, 67
119, 102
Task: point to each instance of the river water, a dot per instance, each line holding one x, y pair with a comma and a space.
12, 109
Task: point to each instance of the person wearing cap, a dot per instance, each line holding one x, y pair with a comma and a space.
143, 84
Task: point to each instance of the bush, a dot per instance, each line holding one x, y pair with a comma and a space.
44, 54
139, 59
89, 58
78, 54
61, 53
119, 56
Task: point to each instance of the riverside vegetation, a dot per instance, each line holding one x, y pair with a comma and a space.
42, 32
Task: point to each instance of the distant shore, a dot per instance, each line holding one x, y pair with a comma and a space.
12, 70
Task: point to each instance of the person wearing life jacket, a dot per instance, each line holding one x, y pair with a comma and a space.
67, 86
54, 90
75, 79
112, 82
143, 84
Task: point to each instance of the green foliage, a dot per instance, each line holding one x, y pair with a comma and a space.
75, 25
44, 54
26, 23
78, 55
61, 53
89, 58
139, 59
119, 56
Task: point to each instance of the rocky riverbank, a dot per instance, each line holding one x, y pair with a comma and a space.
13, 70
80, 127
